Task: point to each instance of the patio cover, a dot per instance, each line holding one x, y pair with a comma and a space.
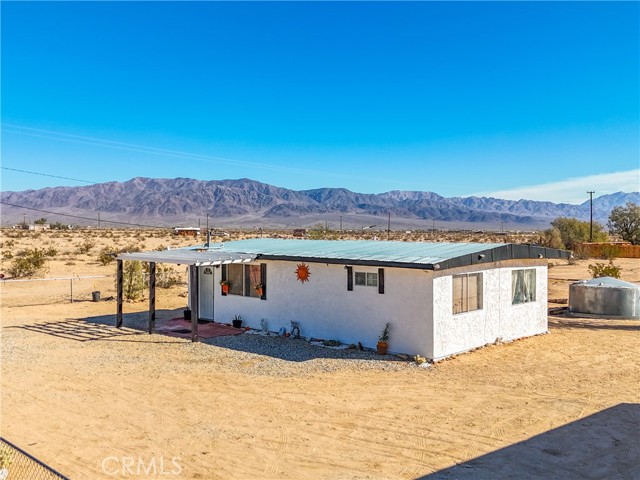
194, 257
198, 256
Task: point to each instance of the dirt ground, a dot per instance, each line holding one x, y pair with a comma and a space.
90, 400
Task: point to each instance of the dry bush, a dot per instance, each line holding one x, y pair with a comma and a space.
86, 246
601, 270
28, 263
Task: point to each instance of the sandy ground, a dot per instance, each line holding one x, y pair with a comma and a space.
87, 399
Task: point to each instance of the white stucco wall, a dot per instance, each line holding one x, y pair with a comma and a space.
498, 317
325, 308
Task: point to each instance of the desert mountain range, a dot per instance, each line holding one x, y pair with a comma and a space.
245, 202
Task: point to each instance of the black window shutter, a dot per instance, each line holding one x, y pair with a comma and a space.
263, 280
349, 278
381, 280
224, 277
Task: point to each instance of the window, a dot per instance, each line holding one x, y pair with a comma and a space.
366, 279
467, 292
523, 286
243, 279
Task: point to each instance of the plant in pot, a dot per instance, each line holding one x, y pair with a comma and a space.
237, 321
259, 288
226, 285
383, 341
186, 313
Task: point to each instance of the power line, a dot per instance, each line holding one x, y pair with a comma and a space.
48, 175
81, 217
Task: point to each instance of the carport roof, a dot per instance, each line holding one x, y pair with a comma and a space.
199, 255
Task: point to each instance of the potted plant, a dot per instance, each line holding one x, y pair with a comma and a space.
226, 285
187, 313
237, 321
383, 341
259, 288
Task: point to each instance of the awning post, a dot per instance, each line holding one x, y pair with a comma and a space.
119, 294
193, 301
152, 297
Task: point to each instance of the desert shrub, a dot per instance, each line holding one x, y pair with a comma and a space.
86, 246
601, 270
9, 243
166, 276
106, 256
130, 248
51, 252
132, 283
7, 255
28, 263
609, 252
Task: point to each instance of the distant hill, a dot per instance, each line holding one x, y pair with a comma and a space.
246, 202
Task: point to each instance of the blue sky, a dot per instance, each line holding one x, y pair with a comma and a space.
518, 99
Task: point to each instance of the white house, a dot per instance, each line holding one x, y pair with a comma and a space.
440, 298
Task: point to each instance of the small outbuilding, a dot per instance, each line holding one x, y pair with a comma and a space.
186, 231
440, 298
605, 297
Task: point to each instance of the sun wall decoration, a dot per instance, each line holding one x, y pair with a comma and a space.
302, 272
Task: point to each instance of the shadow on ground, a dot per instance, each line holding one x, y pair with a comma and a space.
601, 446
294, 350
594, 324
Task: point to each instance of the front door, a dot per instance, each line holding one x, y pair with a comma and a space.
205, 295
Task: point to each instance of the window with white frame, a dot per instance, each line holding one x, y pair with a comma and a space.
523, 286
467, 292
366, 279
243, 279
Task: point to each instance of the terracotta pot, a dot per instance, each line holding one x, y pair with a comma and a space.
225, 289
259, 291
382, 348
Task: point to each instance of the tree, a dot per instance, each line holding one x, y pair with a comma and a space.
551, 238
625, 222
41, 221
574, 231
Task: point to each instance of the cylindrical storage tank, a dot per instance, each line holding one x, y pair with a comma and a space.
605, 297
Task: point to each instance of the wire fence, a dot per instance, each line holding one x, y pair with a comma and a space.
16, 464
40, 291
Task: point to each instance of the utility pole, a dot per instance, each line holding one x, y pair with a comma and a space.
591, 215
207, 222
340, 223
98, 220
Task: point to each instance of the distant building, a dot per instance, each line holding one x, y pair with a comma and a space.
299, 232
186, 231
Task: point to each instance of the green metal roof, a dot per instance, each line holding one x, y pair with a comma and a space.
384, 253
